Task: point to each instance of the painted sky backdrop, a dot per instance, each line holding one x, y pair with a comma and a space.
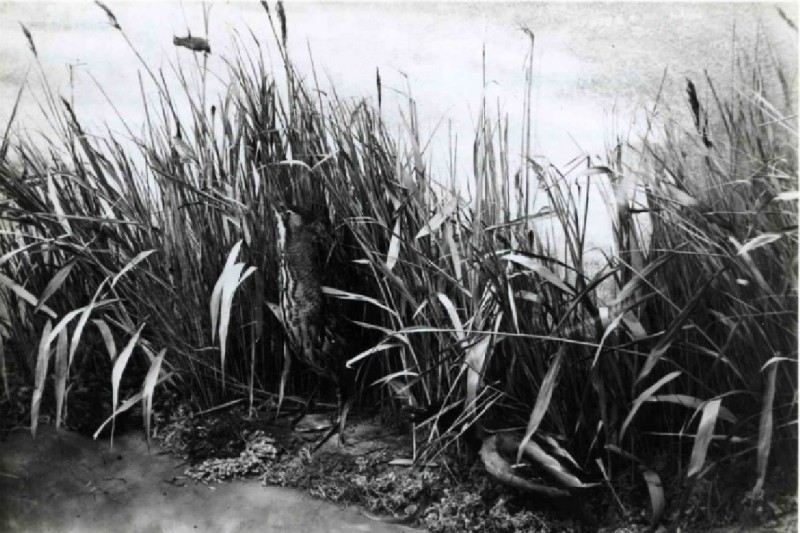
595, 64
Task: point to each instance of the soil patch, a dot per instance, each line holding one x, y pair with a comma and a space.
66, 482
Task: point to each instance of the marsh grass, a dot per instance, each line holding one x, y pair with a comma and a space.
682, 340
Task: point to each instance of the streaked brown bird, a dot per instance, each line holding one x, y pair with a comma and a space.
310, 328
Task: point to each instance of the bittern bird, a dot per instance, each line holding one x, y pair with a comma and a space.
311, 329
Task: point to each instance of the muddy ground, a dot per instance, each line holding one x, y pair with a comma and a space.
65, 482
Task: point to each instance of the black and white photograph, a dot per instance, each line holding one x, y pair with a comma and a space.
398, 266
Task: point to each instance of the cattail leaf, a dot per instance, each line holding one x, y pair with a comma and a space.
654, 357
66, 319
151, 355
54, 284
438, 218
135, 261
458, 327
119, 368
703, 438
232, 255
375, 349
394, 375
59, 211
147, 391
394, 246
419, 309
419, 164
634, 326
501, 470
287, 365
772, 360
229, 284
473, 363
216, 294
25, 295
639, 278
543, 398
559, 451
551, 467
452, 246
765, 429
378, 327
22, 249
108, 338
42, 360
127, 404
324, 160
666, 339
61, 371
643, 397
679, 196
538, 268
344, 295
610, 328
754, 270
656, 490
247, 273
512, 303
76, 335
757, 242
294, 163
693, 403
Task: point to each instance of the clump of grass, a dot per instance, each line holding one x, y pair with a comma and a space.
489, 313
